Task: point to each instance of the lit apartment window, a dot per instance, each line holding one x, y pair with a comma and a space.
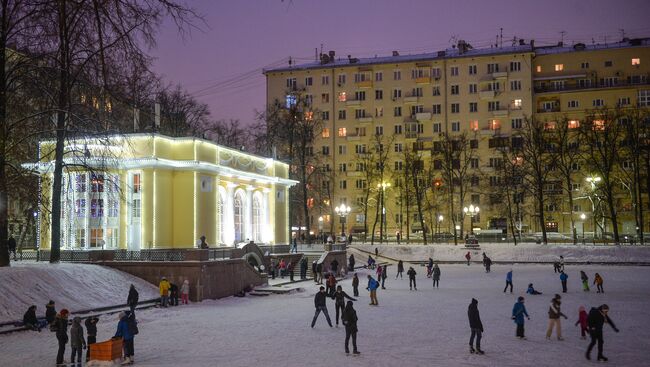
494, 124
326, 132
473, 125
309, 115
559, 67
290, 100
342, 132
636, 61
342, 97
538, 68
573, 124
517, 103
550, 125
599, 125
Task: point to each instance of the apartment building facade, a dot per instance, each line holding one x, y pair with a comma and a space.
414, 102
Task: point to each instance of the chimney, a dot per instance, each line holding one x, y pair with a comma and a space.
395, 53
332, 54
532, 44
522, 42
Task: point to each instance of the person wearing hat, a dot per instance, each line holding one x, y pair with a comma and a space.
595, 321
50, 312
518, 312
125, 332
164, 291
132, 299
554, 314
77, 341
91, 333
61, 325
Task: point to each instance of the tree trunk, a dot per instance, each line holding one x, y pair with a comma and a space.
540, 204
574, 232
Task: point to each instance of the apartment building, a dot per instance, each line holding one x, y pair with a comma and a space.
481, 95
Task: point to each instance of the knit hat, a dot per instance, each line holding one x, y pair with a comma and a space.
51, 303
581, 308
65, 312
520, 298
604, 307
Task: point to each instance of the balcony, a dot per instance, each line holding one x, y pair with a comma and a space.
411, 99
353, 102
423, 116
549, 109
423, 80
411, 135
594, 85
364, 84
501, 112
353, 136
363, 120
487, 94
491, 131
500, 75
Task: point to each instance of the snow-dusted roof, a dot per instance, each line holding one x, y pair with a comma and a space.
556, 49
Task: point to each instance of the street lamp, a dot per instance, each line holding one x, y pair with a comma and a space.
382, 227
593, 180
440, 218
472, 211
583, 217
320, 226
342, 211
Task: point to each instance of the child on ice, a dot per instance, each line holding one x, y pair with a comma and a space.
185, 292
582, 320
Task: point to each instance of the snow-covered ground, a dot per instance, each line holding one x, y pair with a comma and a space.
408, 328
527, 252
73, 286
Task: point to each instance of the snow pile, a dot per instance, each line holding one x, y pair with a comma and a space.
73, 286
509, 252
427, 327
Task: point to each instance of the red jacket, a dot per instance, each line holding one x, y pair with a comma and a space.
582, 319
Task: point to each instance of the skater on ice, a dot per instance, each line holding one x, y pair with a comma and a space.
554, 314
585, 281
349, 319
508, 281
372, 288
319, 303
563, 280
595, 321
518, 313
411, 273
133, 297
355, 285
468, 257
531, 290
436, 276
77, 341
339, 302
598, 281
400, 269
476, 327
582, 321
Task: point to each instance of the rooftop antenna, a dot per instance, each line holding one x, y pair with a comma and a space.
514, 41
562, 33
290, 61
315, 53
622, 33
496, 43
501, 37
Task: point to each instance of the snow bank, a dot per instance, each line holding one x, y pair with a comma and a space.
73, 286
522, 252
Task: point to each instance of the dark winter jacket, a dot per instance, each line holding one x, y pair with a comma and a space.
596, 320
334, 265
584, 276
384, 272
509, 276
50, 313
123, 329
351, 261
400, 267
436, 272
473, 315
554, 310
77, 334
411, 273
349, 319
61, 328
91, 326
518, 312
319, 299
30, 317
133, 297
339, 298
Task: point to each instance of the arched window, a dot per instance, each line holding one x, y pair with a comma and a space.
221, 217
257, 219
239, 217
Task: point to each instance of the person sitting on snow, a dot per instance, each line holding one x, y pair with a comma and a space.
532, 290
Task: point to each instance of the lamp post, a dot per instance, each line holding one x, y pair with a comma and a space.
593, 180
472, 211
320, 227
342, 211
383, 224
583, 217
440, 218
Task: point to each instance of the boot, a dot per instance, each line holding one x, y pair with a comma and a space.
471, 349
478, 351
602, 359
126, 361
356, 352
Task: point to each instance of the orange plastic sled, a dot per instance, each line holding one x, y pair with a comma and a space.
106, 351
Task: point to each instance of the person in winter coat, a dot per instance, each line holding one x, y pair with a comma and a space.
429, 267
30, 321
582, 321
50, 312
77, 340
468, 257
518, 313
124, 330
400, 269
476, 327
351, 262
331, 285
164, 291
595, 321
355, 285
185, 292
349, 319
556, 267
488, 264
339, 301
91, 333
11, 246
372, 288
484, 258
314, 272
531, 290
272, 269
303, 268
598, 281
132, 299
173, 294
554, 314
378, 272
384, 275
371, 262
319, 273
508, 281
61, 327
411, 273
563, 279
290, 267
334, 267
436, 276
319, 303
561, 263
585, 281
283, 268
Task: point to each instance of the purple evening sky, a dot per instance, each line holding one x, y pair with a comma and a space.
222, 64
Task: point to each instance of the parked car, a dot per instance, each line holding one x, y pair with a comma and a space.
471, 240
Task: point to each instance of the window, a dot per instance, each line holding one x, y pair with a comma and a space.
398, 147
416, 109
361, 184
343, 150
473, 125
379, 76
325, 98
437, 127
325, 115
493, 106
609, 82
309, 81
644, 98
325, 80
436, 109
342, 115
455, 89
495, 86
379, 94
609, 64
515, 85
455, 126
113, 207
455, 108
397, 111
492, 68
80, 183
398, 129
135, 208
636, 61
473, 88
598, 102
379, 130
516, 123
342, 97
515, 66
97, 183
473, 162
538, 68
575, 166
341, 79
343, 184
398, 165
473, 144
550, 106
96, 237
326, 150
550, 125
473, 107
573, 124
435, 73
417, 73
379, 111
584, 65
573, 104
436, 90
342, 132
397, 75
359, 77
326, 132
584, 83
397, 93
472, 69
559, 67
575, 186
598, 125
342, 167
454, 71
80, 208
516, 104
360, 96
292, 84
494, 124
624, 101
416, 92
309, 116
359, 114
